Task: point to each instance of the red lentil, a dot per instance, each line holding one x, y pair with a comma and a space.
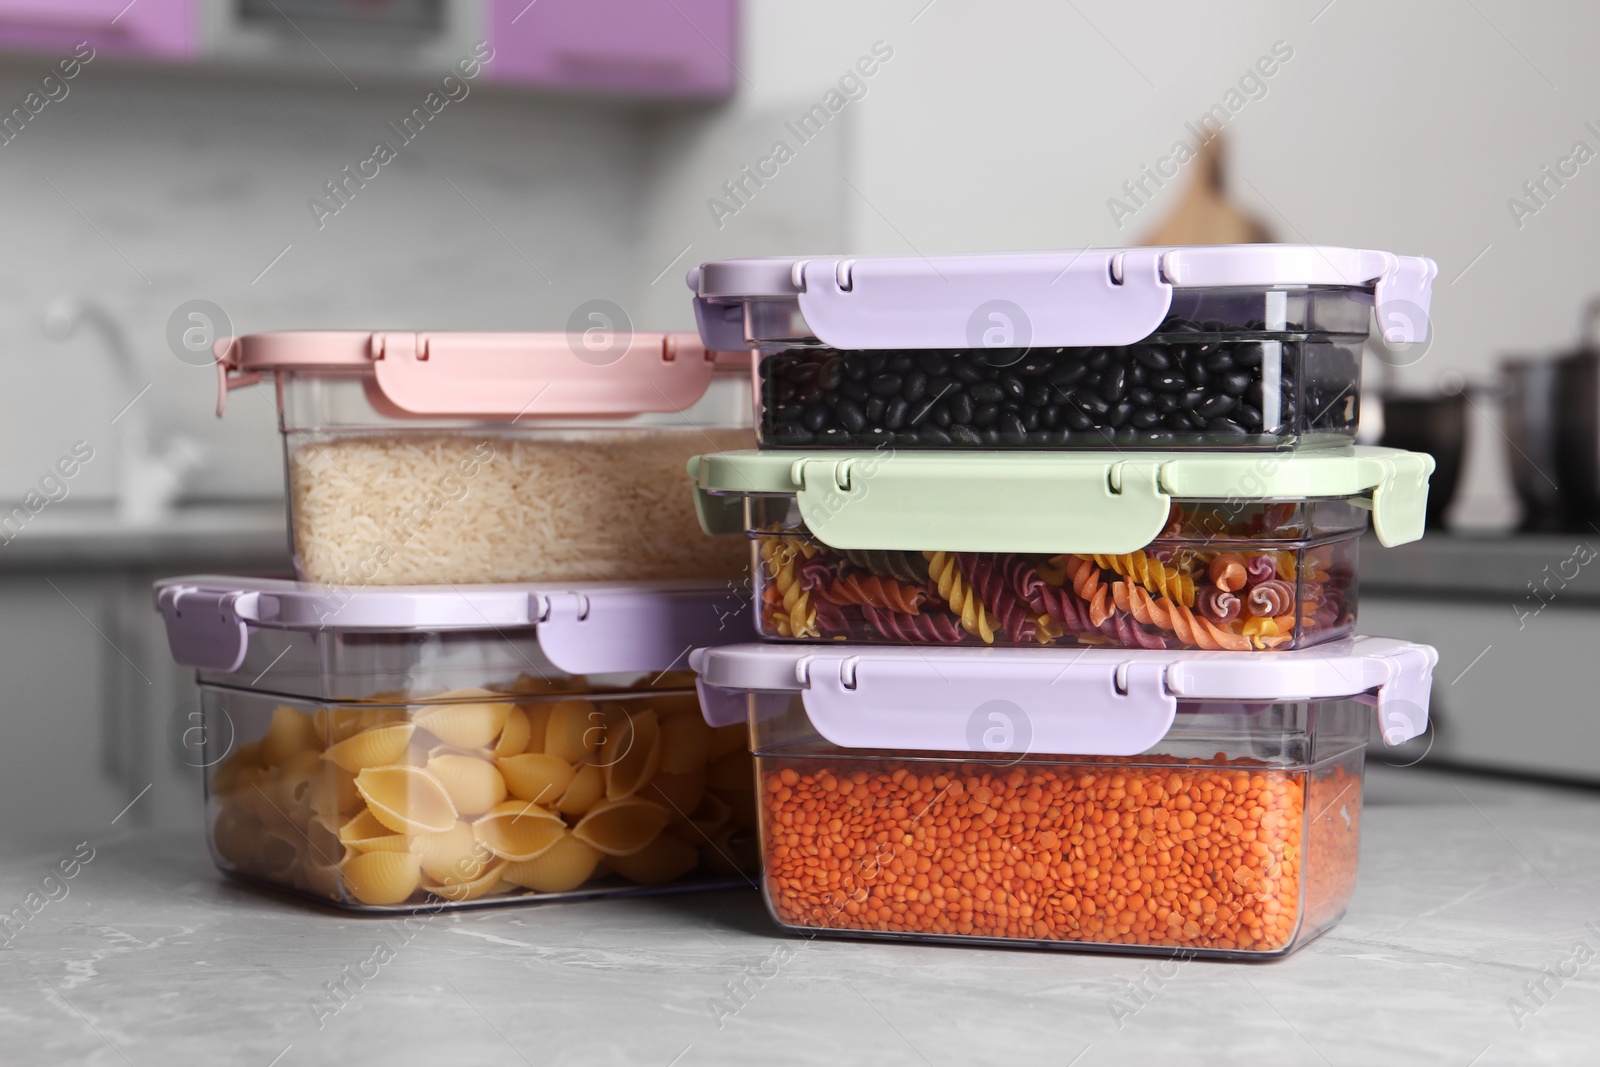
1202, 856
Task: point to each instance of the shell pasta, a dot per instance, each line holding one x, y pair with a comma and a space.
479, 795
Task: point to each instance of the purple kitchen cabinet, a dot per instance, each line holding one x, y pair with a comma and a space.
683, 49
156, 29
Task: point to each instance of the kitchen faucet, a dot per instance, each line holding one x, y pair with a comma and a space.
149, 482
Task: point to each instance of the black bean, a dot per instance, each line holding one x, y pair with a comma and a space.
1215, 405
848, 413
1098, 359
1114, 383
1249, 417
1234, 384
986, 393
901, 364
1168, 383
1014, 430
1050, 415
933, 364
856, 391
894, 416
855, 369
1179, 420
1252, 393
833, 435
1137, 373
1152, 357
886, 385
1247, 355
875, 409
804, 373
1192, 399
815, 417
985, 414
789, 431
932, 435
941, 416
831, 375
783, 392
1068, 375
920, 412
1220, 361
1168, 402
960, 406
1118, 414
966, 369
1090, 403
1038, 394
1033, 367
940, 387
879, 435
916, 386
1013, 386
990, 437
1225, 426
876, 362
1144, 419
807, 394
1031, 419
1076, 419
1199, 375
964, 435
1141, 398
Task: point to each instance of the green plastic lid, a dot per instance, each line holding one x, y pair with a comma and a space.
1044, 501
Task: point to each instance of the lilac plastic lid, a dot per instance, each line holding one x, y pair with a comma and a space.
1105, 296
586, 628
1112, 702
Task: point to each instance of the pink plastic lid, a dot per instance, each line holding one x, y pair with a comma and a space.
492, 376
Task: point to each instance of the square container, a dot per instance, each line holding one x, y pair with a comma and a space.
1231, 552
424, 747
1189, 802
1246, 346
425, 458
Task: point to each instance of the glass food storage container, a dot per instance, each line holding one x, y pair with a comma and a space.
423, 458
1176, 802
1245, 346
1233, 552
418, 747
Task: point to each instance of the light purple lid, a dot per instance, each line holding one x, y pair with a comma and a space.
1112, 702
1105, 296
586, 628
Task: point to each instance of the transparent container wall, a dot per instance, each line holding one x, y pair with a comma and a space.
1227, 576
1253, 369
495, 799
1237, 837
379, 501
334, 664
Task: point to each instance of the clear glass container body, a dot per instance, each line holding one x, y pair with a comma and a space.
1241, 577
1229, 368
1236, 837
376, 499
529, 791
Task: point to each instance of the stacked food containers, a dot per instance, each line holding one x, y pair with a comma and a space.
1055, 556
478, 691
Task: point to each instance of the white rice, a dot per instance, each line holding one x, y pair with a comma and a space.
468, 507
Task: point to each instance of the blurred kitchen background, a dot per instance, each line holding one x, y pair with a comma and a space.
589, 158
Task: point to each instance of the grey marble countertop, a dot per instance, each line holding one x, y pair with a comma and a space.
151, 958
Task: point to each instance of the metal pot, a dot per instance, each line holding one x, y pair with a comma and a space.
1528, 404
1577, 425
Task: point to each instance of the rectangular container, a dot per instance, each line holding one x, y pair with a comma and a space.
414, 459
1237, 553
1246, 346
1163, 802
420, 748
